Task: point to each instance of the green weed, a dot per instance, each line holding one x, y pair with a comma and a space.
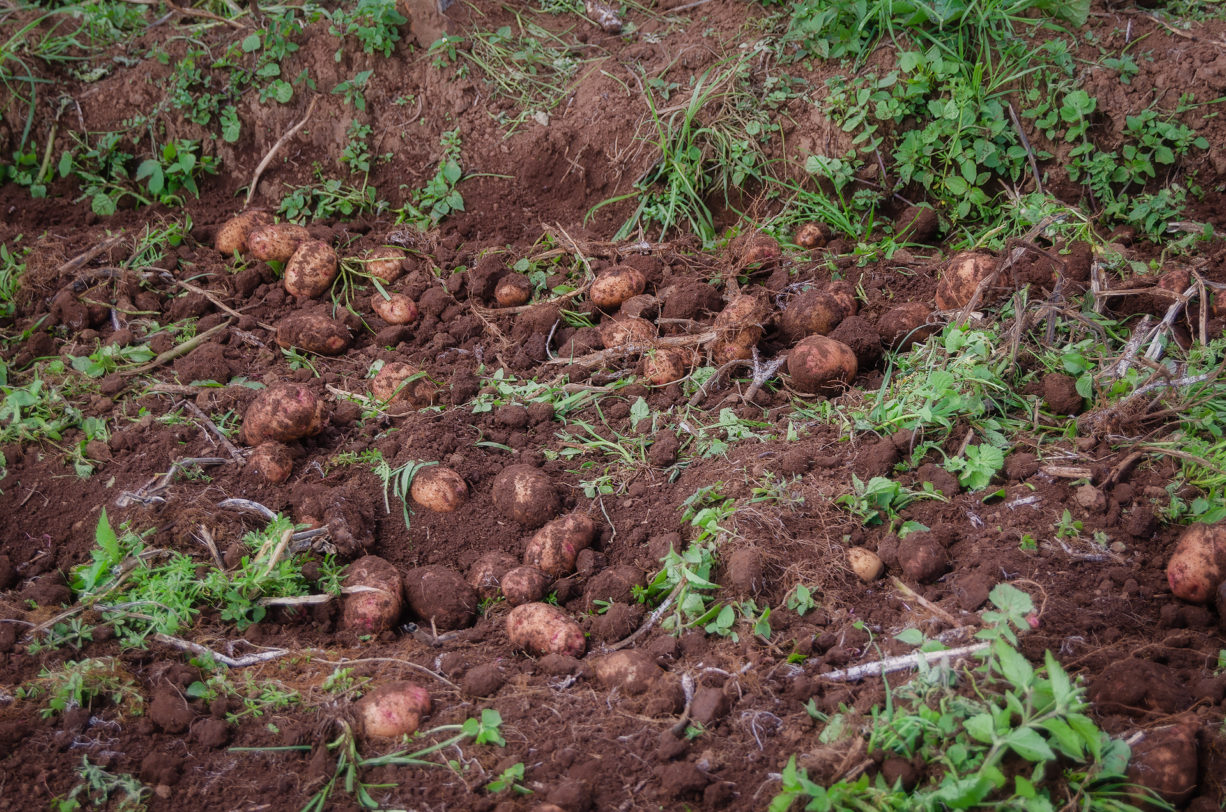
98, 787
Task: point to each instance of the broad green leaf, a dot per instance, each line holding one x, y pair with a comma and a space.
1028, 744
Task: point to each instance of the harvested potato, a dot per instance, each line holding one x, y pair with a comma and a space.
277, 242
526, 495
619, 332
232, 237
272, 461
313, 332
661, 367
902, 327
845, 295
526, 584
739, 327
865, 564
385, 263
813, 312
616, 285
758, 249
396, 308
1198, 564
513, 290
311, 270
440, 597
485, 575
555, 546
812, 235
631, 671
283, 412
962, 277
821, 365
377, 606
612, 585
541, 629
393, 710
439, 489
401, 386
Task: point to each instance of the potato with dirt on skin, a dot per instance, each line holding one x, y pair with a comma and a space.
395, 308
813, 312
963, 275
620, 332
385, 263
439, 489
283, 412
1198, 564
632, 671
232, 237
662, 367
374, 596
758, 249
312, 269
902, 327
313, 332
821, 365
739, 327
399, 385
616, 285
276, 242
555, 546
393, 710
812, 235
526, 495
525, 584
440, 597
865, 564
540, 629
513, 290
272, 460
486, 573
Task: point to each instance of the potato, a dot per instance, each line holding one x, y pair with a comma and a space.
232, 237
632, 671
377, 607
401, 386
485, 575
758, 249
902, 327
813, 312
526, 584
661, 367
842, 292
311, 270
395, 309
962, 277
739, 328
1198, 564
541, 629
313, 332
440, 597
619, 332
1165, 762
393, 710
555, 546
812, 235
616, 285
513, 290
283, 412
439, 489
272, 461
276, 243
865, 564
526, 495
385, 263
821, 365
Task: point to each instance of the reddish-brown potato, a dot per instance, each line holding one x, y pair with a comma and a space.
526, 584
555, 546
276, 243
232, 237
661, 367
526, 495
393, 710
1198, 564
401, 386
865, 564
485, 575
439, 489
962, 277
541, 629
616, 285
440, 597
619, 332
283, 412
311, 270
845, 295
902, 327
386, 263
396, 308
812, 235
272, 461
821, 365
313, 332
513, 290
758, 249
374, 596
813, 312
739, 327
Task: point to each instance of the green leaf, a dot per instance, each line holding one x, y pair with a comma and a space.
911, 637
639, 411
981, 728
230, 125
105, 536
1028, 744
251, 43
1013, 665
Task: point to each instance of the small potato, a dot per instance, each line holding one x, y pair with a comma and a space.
541, 629
311, 270
662, 367
525, 584
620, 332
513, 290
616, 285
313, 332
555, 546
526, 495
283, 412
821, 365
843, 293
386, 263
865, 564
395, 309
440, 597
393, 710
232, 237
759, 249
812, 235
631, 671
439, 489
401, 386
1198, 564
377, 607
272, 461
962, 277
277, 243
902, 327
486, 573
813, 312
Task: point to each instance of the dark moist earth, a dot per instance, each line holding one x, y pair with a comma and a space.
1107, 613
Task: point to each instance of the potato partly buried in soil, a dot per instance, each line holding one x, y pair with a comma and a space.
313, 332
282, 413
233, 235
439, 597
402, 387
375, 599
555, 546
526, 495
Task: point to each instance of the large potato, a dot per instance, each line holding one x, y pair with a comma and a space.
632, 671
1198, 564
526, 495
396, 308
313, 332
486, 573
377, 606
902, 327
272, 461
814, 312
311, 270
524, 584
541, 629
276, 243
440, 597
821, 365
619, 332
386, 263
402, 386
962, 277
555, 546
393, 710
661, 367
617, 284
439, 489
232, 237
282, 413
